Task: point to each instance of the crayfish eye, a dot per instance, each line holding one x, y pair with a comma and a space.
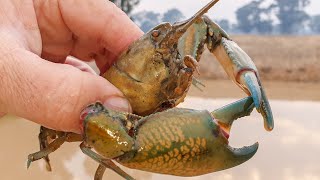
155, 33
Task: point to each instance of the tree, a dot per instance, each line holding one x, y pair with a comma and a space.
224, 24
146, 19
126, 5
254, 18
149, 19
172, 16
291, 15
315, 24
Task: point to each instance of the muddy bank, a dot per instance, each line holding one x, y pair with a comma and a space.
285, 58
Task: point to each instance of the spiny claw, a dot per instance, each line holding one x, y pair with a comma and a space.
225, 116
183, 129
243, 72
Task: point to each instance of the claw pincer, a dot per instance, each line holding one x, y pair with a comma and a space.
237, 64
182, 142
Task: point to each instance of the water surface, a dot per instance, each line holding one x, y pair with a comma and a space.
289, 152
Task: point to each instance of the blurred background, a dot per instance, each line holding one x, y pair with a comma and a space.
281, 36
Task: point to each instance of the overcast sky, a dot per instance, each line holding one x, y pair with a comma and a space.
224, 9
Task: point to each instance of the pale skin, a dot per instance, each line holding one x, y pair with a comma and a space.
37, 80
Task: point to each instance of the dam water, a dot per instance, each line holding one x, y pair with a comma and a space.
289, 152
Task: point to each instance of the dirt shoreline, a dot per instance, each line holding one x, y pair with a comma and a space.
307, 91
284, 58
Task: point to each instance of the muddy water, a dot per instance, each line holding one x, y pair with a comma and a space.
274, 89
290, 152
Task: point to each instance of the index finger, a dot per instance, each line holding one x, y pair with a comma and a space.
100, 20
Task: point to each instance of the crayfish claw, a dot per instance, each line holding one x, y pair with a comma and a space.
244, 73
249, 79
231, 112
238, 156
253, 85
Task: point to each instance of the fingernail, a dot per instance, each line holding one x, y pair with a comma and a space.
118, 103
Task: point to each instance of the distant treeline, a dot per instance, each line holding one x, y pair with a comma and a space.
255, 17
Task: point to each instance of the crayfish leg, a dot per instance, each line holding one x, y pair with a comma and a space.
99, 172
104, 163
45, 151
50, 140
43, 137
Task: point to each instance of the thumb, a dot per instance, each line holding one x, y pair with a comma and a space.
50, 94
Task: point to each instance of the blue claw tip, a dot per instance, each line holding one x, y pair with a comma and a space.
254, 88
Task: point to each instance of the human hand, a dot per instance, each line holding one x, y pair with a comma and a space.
37, 80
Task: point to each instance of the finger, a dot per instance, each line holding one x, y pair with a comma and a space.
52, 94
102, 61
100, 21
80, 65
86, 29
